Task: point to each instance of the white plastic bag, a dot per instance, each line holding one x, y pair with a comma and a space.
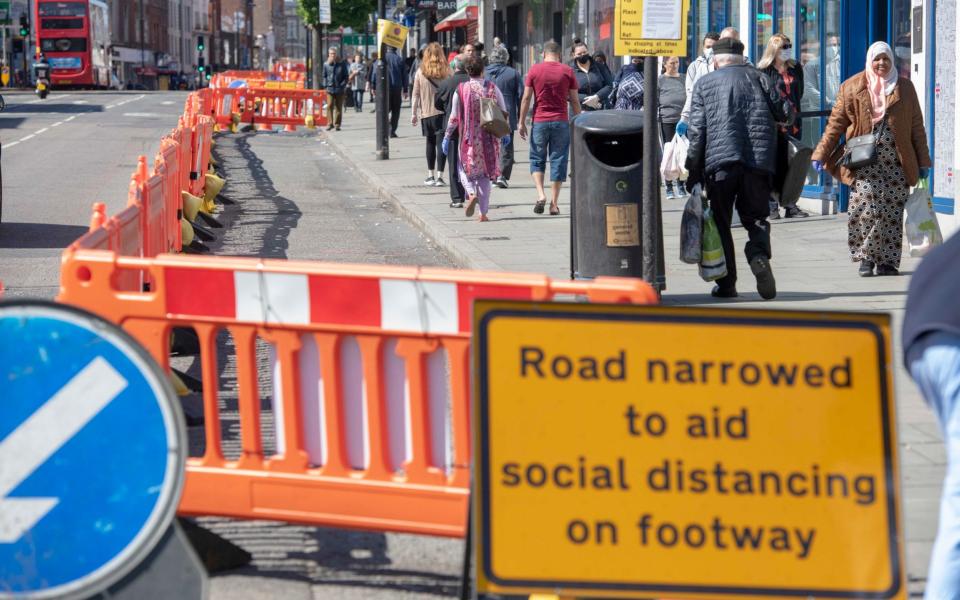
680, 146
922, 228
668, 169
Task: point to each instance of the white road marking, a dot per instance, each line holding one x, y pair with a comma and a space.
57, 124
27, 137
5, 146
70, 118
81, 102
39, 131
167, 102
143, 115
42, 434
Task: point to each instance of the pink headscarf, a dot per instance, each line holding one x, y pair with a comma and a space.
878, 87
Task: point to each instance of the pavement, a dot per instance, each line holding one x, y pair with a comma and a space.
810, 262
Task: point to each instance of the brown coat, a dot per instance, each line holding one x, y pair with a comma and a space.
852, 116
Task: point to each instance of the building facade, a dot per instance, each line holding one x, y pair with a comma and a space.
830, 39
295, 34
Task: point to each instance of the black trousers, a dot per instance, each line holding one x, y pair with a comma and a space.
748, 191
433, 131
396, 98
453, 161
506, 158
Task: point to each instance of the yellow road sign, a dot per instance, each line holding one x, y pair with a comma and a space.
695, 453
391, 34
651, 27
4, 75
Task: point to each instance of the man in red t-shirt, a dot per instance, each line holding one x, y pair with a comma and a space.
553, 84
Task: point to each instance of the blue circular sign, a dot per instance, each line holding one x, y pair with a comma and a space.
91, 448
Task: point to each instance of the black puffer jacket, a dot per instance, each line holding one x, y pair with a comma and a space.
732, 122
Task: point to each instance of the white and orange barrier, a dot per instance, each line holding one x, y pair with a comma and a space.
268, 108
369, 377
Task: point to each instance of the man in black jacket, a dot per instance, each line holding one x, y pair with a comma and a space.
733, 147
508, 80
443, 101
335, 74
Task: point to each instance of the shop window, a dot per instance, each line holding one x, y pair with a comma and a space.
764, 26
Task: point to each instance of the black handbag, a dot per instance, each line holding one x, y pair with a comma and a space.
861, 151
793, 163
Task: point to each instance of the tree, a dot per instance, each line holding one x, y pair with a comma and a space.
348, 13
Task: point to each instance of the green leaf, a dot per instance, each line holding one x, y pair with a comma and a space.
346, 13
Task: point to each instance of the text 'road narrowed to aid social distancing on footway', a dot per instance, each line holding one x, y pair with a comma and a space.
639, 449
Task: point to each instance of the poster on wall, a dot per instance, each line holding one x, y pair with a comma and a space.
944, 102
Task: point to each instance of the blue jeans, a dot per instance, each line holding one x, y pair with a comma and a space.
937, 373
358, 100
550, 139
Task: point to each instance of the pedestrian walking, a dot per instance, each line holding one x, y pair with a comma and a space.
877, 101
397, 87
510, 84
600, 59
432, 72
786, 74
552, 85
673, 96
931, 351
594, 83
479, 155
444, 101
358, 81
697, 69
628, 86
734, 113
335, 76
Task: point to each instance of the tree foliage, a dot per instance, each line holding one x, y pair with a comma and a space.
346, 13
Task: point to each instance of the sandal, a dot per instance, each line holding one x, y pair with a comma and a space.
472, 205
554, 210
539, 206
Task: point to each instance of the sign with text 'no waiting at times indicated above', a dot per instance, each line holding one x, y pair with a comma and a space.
651, 27
696, 453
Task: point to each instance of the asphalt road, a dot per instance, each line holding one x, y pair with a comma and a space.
59, 156
294, 199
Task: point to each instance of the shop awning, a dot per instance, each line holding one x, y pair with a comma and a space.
463, 17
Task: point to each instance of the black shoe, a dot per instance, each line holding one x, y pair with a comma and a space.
394, 135
766, 284
774, 215
329, 127
501, 183
456, 204
792, 212
719, 292
866, 268
887, 270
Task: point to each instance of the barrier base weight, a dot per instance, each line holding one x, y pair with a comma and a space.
172, 570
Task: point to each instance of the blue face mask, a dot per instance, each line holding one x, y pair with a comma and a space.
708, 53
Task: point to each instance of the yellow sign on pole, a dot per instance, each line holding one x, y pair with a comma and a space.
5, 75
651, 27
695, 453
391, 34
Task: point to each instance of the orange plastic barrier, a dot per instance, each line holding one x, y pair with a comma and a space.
370, 369
269, 107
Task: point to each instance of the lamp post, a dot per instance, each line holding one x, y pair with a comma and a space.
143, 48
383, 94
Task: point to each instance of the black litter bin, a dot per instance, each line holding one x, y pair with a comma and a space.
606, 194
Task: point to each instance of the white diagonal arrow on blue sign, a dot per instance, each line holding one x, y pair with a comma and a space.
42, 434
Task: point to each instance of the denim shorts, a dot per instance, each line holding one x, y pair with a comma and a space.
551, 139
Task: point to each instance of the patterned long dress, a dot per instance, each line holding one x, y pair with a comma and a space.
875, 228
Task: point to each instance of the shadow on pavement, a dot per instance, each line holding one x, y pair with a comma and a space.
748, 294
11, 122
38, 235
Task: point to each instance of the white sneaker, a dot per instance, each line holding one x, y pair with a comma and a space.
430, 181
670, 195
439, 182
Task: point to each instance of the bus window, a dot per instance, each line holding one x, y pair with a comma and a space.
63, 9
61, 23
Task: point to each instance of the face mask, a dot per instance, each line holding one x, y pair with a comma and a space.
708, 53
636, 60
583, 59
785, 55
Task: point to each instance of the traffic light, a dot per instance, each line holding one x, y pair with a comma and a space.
24, 26
201, 65
200, 44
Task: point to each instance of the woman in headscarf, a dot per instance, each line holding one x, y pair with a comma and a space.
479, 151
877, 101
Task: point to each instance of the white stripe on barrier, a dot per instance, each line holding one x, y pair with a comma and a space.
421, 306
281, 298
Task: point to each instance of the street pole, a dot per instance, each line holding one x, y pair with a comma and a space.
308, 59
143, 47
366, 40
650, 219
383, 94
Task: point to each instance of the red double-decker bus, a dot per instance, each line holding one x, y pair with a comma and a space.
74, 36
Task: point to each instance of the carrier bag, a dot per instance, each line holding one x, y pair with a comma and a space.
680, 147
713, 265
922, 228
691, 228
668, 169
